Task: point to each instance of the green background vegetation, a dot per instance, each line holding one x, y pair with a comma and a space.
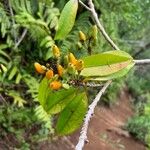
126, 21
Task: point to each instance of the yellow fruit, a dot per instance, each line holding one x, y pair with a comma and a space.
49, 74
82, 36
55, 85
72, 59
39, 68
60, 70
56, 51
79, 65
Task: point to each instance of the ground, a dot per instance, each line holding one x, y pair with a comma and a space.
105, 131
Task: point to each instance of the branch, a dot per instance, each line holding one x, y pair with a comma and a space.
21, 38
142, 62
83, 133
99, 25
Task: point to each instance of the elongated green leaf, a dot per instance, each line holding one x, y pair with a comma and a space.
106, 58
72, 116
18, 78
67, 19
12, 73
44, 90
105, 70
105, 64
118, 74
57, 100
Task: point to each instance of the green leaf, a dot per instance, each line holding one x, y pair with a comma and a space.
118, 74
57, 100
72, 116
106, 58
12, 73
18, 78
54, 101
67, 19
44, 90
105, 64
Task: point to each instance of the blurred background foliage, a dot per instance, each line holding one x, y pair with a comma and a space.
27, 29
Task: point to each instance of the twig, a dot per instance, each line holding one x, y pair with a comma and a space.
142, 62
99, 25
21, 38
101, 28
86, 84
85, 6
93, 84
13, 21
83, 133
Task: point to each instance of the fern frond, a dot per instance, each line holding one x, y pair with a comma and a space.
4, 22
45, 19
17, 100
33, 86
49, 14
21, 6
28, 21
44, 117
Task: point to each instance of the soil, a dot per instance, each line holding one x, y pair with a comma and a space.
105, 131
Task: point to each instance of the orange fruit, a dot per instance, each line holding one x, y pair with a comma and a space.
39, 68
79, 65
60, 70
55, 85
49, 74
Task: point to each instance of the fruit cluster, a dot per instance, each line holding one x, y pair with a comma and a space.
70, 69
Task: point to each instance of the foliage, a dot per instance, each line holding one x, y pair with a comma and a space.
126, 28
39, 21
70, 103
111, 95
18, 85
18, 123
139, 124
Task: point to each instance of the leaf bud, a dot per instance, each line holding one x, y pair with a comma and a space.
56, 51
79, 45
82, 36
66, 60
72, 59
71, 69
94, 32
